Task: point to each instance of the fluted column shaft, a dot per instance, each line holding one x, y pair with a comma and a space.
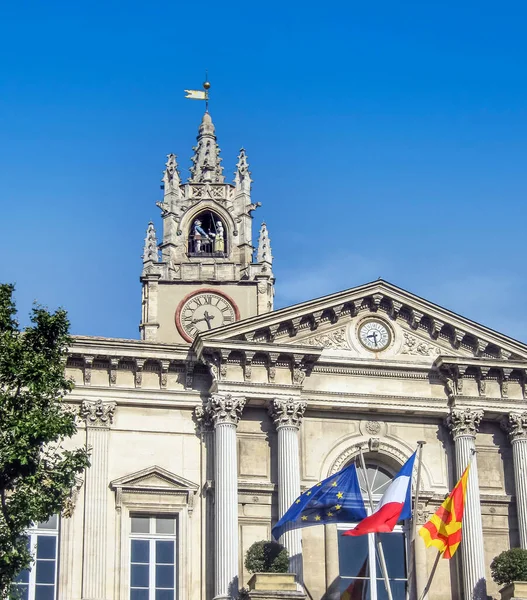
519, 457
288, 492
98, 416
225, 412
464, 424
516, 426
287, 415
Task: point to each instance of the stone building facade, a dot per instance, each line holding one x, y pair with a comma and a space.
206, 429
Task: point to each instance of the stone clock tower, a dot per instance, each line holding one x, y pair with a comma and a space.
204, 274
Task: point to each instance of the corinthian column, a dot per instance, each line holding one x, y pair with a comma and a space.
287, 416
225, 412
98, 416
463, 424
516, 427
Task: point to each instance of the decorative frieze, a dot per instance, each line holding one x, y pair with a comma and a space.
416, 347
164, 373
335, 339
139, 364
114, 365
97, 413
287, 413
88, 365
225, 409
464, 422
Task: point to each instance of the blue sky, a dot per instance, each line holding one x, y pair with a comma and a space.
385, 139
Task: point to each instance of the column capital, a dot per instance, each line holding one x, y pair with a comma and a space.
97, 413
225, 409
287, 412
515, 424
464, 422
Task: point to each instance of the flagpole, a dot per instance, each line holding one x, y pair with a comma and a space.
377, 540
439, 554
412, 571
432, 573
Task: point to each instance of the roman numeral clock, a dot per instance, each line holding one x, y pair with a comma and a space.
203, 310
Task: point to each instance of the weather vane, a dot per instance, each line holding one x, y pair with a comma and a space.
199, 94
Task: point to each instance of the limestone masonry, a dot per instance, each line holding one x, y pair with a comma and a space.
208, 427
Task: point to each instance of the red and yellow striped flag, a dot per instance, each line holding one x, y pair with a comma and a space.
443, 529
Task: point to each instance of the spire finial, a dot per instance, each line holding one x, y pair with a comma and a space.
150, 253
206, 87
264, 253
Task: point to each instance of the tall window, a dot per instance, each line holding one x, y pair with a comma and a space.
153, 556
359, 567
40, 581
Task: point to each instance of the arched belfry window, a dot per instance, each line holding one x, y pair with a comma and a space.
359, 567
207, 236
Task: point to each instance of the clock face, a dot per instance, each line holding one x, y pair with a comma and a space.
374, 335
204, 310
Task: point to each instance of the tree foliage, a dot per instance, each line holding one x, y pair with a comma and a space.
267, 557
36, 472
509, 566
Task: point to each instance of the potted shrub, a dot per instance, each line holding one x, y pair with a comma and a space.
510, 569
269, 563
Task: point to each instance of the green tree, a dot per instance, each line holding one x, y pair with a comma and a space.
36, 472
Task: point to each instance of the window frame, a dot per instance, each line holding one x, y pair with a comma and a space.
33, 534
153, 491
152, 537
403, 528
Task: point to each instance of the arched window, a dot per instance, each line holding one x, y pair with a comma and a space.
207, 236
359, 568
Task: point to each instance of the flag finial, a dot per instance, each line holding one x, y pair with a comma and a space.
201, 95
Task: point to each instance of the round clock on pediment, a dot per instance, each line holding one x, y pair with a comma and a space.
374, 334
203, 310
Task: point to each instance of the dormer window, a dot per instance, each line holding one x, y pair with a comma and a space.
207, 236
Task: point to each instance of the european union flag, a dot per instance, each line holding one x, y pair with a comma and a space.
337, 499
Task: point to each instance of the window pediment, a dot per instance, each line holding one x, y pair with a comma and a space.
155, 480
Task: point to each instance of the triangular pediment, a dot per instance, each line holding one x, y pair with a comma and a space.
154, 479
423, 330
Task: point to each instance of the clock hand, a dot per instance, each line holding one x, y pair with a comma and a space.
208, 318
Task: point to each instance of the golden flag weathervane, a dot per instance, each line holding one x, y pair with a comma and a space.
199, 94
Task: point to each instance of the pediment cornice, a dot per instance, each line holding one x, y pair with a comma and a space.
154, 479
437, 327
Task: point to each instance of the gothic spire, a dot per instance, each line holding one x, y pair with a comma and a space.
171, 178
264, 253
242, 176
150, 251
206, 166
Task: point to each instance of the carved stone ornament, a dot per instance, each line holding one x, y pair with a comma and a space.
203, 417
515, 424
416, 347
97, 413
332, 339
287, 413
71, 500
372, 427
225, 409
464, 422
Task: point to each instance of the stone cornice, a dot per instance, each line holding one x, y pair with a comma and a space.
378, 296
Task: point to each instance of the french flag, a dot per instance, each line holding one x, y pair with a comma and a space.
395, 505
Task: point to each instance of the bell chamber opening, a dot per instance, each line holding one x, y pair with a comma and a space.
207, 236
